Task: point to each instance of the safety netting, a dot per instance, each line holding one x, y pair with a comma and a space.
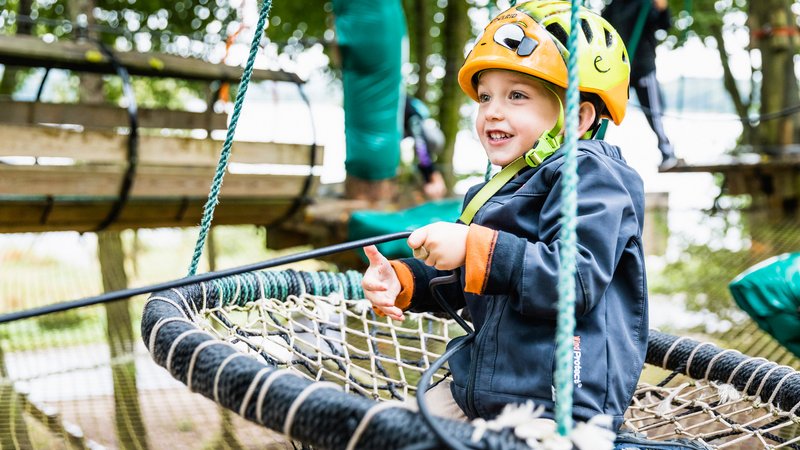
301, 353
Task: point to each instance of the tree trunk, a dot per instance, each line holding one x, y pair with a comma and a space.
13, 431
91, 85
8, 84
226, 438
119, 331
741, 106
420, 38
456, 34
130, 427
770, 24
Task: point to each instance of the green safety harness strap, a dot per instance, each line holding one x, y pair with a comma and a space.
636, 35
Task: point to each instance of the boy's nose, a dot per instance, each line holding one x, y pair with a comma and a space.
494, 111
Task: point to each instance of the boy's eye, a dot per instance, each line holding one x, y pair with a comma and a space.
517, 95
483, 98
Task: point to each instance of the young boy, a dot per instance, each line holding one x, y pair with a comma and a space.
506, 248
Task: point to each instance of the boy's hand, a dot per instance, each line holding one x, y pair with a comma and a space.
380, 283
445, 243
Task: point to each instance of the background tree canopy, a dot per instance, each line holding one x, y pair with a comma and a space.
438, 33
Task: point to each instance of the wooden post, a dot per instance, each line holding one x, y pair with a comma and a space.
226, 438
13, 431
119, 331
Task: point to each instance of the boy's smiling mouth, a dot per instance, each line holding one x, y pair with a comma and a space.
497, 137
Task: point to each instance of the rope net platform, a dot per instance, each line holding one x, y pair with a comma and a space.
323, 369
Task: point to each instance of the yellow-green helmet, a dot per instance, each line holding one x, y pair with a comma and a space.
532, 37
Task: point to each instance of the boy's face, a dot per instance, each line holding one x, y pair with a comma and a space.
514, 110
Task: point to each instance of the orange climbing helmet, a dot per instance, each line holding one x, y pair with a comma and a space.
531, 38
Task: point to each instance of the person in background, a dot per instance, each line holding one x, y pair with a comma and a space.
428, 143
637, 22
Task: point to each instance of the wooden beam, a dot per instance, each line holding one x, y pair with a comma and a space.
106, 116
110, 147
84, 56
150, 181
26, 216
750, 163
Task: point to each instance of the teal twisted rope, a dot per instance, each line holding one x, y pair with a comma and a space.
239, 290
568, 248
216, 184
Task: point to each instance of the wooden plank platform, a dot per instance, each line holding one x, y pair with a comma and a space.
743, 163
773, 182
41, 215
85, 56
170, 184
102, 147
106, 116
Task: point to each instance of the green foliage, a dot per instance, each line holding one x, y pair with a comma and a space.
702, 275
60, 321
157, 92
301, 22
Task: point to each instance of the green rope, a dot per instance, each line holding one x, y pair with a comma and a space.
636, 36
568, 248
239, 290
216, 184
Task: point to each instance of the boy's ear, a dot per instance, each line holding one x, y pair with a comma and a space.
586, 116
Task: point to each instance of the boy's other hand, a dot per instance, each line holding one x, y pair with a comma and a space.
446, 244
380, 283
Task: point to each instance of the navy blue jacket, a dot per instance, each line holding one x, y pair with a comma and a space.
510, 286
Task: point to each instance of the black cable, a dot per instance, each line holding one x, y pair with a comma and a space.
425, 380
133, 139
40, 91
427, 376
126, 293
752, 120
447, 279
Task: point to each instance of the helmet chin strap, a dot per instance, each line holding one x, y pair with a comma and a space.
545, 146
550, 140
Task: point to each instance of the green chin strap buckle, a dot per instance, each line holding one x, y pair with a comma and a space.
550, 140
544, 147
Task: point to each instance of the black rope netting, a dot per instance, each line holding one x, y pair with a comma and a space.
322, 415
316, 413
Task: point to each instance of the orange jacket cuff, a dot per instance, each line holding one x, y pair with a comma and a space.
406, 277
480, 247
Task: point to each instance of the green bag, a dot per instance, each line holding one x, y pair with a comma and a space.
367, 223
770, 293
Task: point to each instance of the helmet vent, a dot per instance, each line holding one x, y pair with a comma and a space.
587, 30
558, 32
609, 37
